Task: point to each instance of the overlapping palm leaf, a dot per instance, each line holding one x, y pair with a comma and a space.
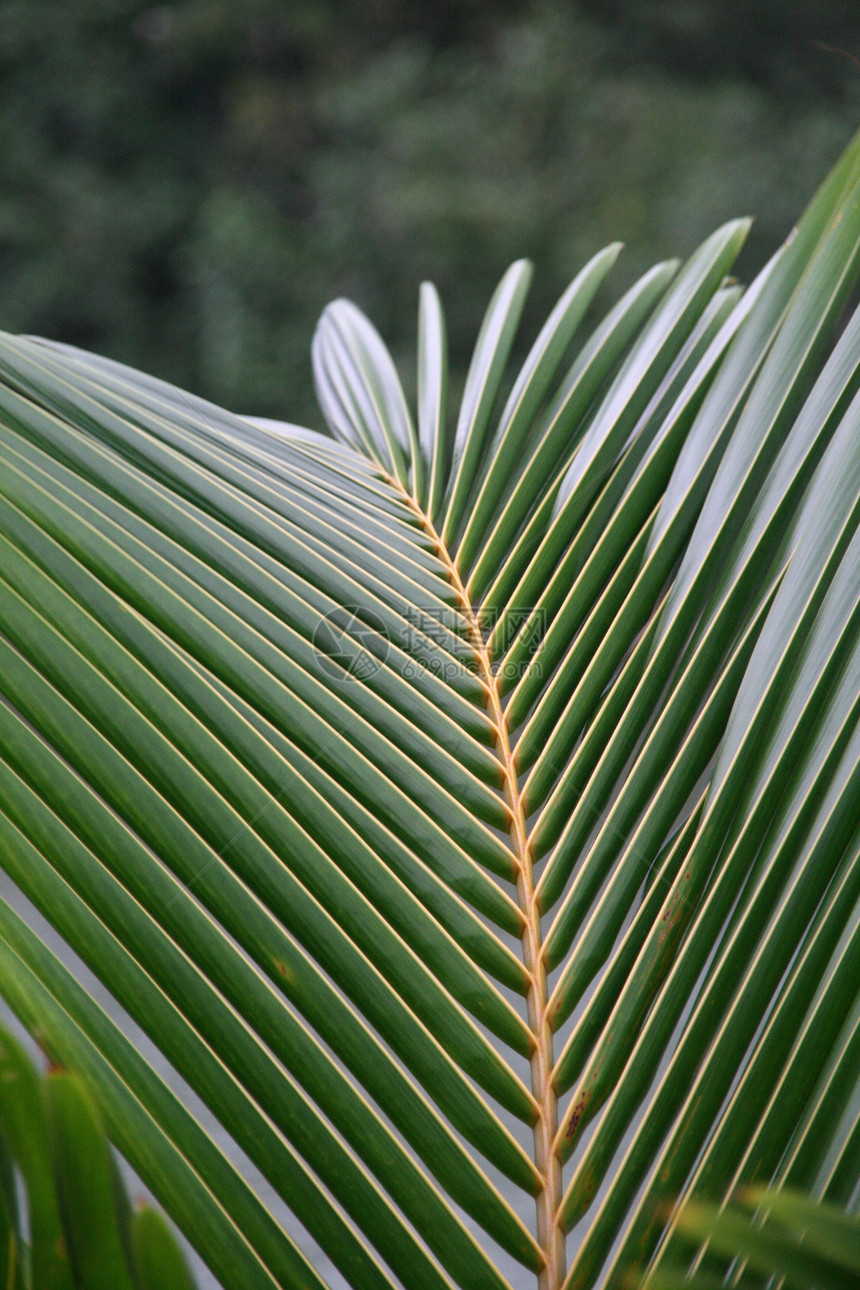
765, 1233
466, 805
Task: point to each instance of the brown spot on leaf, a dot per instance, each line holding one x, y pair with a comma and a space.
282, 969
576, 1115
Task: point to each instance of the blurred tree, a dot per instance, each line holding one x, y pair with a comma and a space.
185, 186
775, 44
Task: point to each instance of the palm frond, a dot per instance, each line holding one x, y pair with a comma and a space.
468, 813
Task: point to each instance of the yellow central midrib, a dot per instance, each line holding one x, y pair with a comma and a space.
548, 1200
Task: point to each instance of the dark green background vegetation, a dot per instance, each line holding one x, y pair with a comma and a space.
185, 186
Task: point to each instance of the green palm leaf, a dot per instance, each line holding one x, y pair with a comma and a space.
467, 808
803, 1242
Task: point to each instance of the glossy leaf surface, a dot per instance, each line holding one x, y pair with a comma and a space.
466, 806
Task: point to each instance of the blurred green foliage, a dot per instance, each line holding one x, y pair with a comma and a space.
66, 1221
184, 187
